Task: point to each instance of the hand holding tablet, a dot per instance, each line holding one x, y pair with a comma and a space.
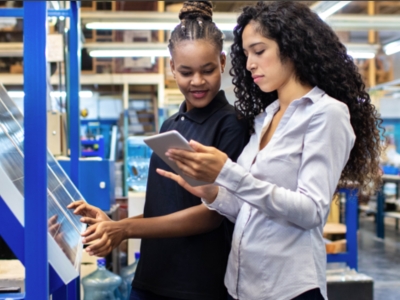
162, 142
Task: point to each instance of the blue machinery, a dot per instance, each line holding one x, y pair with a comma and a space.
351, 217
30, 243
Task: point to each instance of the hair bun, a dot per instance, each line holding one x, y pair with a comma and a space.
196, 9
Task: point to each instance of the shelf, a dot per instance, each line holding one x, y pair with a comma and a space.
88, 79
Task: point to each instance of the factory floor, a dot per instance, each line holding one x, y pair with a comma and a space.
380, 258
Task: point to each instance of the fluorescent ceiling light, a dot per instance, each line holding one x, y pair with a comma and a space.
361, 55
392, 48
327, 8
130, 26
146, 26
57, 94
16, 94
130, 53
86, 94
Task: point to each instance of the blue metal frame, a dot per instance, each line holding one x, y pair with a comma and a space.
35, 150
125, 184
11, 228
380, 214
73, 92
351, 256
40, 278
19, 12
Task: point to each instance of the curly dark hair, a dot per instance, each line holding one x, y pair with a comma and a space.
319, 59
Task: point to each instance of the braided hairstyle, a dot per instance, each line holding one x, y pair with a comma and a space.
319, 59
196, 23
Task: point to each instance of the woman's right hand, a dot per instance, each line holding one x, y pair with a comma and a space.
207, 192
90, 214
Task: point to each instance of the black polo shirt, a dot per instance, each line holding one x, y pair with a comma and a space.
190, 267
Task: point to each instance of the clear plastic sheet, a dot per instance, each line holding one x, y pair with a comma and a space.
64, 226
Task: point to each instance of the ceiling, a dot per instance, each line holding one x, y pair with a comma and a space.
355, 7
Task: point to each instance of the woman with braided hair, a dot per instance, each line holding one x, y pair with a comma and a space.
314, 129
185, 246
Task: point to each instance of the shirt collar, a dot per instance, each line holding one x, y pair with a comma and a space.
314, 95
200, 115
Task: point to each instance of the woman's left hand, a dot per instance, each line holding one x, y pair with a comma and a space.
108, 235
204, 164
208, 192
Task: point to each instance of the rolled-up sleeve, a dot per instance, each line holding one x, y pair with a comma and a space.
226, 204
326, 149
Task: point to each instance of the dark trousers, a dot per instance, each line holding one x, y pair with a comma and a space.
137, 294
314, 294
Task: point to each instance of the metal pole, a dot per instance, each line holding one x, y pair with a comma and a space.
73, 92
351, 225
380, 222
35, 150
74, 41
126, 131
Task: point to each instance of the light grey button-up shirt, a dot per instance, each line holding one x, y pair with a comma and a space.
280, 203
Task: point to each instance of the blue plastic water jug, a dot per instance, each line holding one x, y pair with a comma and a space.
138, 163
101, 284
127, 274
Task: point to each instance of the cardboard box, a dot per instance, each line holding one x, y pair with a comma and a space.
16, 69
56, 133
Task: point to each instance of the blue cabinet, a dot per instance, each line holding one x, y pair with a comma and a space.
96, 181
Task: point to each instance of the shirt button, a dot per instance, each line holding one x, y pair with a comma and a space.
183, 118
220, 205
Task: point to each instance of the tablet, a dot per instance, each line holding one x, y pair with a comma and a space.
162, 142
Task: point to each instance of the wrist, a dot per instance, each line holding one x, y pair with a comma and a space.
128, 228
121, 227
212, 195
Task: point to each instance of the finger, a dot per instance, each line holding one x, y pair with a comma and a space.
59, 238
91, 234
182, 182
100, 244
82, 209
200, 147
75, 204
89, 221
186, 169
94, 236
169, 175
52, 220
181, 154
89, 230
54, 228
102, 251
91, 238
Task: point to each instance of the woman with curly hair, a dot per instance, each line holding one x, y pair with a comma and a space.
313, 130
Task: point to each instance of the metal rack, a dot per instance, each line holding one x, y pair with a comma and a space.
29, 243
380, 206
351, 218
